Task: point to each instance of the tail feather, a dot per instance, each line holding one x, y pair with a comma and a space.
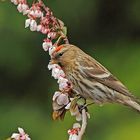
129, 101
133, 104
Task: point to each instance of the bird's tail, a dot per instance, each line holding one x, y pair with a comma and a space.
130, 101
133, 104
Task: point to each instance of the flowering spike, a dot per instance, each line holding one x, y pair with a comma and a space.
41, 19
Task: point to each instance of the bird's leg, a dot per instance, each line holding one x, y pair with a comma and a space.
81, 102
84, 106
88, 104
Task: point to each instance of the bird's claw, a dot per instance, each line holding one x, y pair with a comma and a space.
85, 107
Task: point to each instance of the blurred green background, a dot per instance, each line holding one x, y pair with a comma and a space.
108, 30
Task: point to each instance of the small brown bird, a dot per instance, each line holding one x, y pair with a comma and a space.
90, 79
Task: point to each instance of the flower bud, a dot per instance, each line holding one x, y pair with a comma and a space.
51, 50
25, 12
39, 27
52, 35
33, 25
14, 2
63, 99
27, 23
24, 7
19, 7
46, 45
38, 13
32, 13
56, 94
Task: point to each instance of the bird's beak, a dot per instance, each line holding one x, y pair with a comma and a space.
52, 61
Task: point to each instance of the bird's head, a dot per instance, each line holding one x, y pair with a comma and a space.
64, 55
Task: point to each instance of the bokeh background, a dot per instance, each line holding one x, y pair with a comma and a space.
108, 30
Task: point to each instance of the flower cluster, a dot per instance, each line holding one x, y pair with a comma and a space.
59, 74
20, 136
61, 97
73, 133
41, 19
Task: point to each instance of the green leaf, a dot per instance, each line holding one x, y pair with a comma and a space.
64, 30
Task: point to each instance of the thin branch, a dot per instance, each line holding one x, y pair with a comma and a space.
84, 125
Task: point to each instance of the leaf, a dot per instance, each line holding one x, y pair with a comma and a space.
64, 30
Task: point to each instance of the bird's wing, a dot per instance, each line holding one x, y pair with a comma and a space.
102, 75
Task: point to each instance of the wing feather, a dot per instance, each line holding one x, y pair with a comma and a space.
96, 72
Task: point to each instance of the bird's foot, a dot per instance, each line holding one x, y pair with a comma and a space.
81, 107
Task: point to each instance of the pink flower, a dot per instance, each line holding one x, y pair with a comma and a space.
62, 80
33, 25
27, 23
32, 13
46, 45
45, 30
63, 83
51, 66
52, 35
14, 2
56, 94
57, 73
39, 27
51, 50
22, 8
25, 12
35, 11
38, 13
61, 98
21, 135
22, 1
61, 74
73, 133
19, 7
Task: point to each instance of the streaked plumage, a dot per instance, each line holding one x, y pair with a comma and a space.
90, 79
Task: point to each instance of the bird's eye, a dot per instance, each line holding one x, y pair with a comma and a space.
60, 54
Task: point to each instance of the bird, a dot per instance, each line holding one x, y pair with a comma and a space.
91, 80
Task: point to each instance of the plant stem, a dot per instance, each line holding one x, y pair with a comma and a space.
84, 125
